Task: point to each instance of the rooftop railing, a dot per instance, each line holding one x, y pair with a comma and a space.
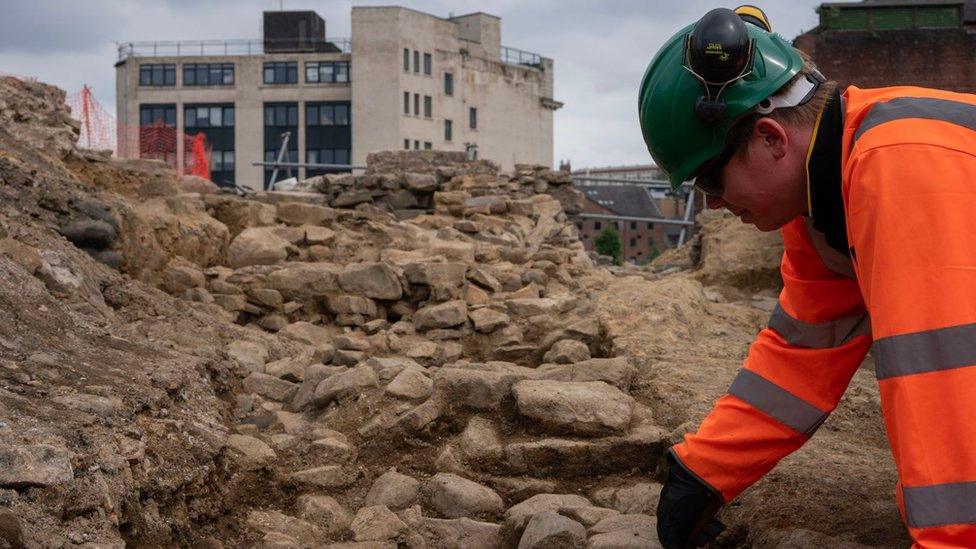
247, 46
514, 56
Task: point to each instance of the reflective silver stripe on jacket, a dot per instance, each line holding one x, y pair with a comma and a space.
928, 351
823, 335
777, 402
940, 504
928, 108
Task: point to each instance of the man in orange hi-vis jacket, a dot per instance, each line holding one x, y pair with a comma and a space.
874, 191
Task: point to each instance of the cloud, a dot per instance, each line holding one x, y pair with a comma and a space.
600, 48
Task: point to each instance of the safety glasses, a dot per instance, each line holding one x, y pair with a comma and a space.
709, 181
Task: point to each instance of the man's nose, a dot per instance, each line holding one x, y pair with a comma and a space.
715, 202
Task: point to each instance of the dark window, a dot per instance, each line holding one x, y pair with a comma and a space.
428, 145
406, 142
633, 242
328, 135
285, 72
157, 114
416, 61
428, 102
416, 145
448, 130
448, 83
596, 225
208, 74
406, 60
208, 116
650, 225
216, 123
633, 225
416, 104
157, 134
579, 225
278, 119
406, 102
472, 118
427, 63
157, 75
327, 114
327, 71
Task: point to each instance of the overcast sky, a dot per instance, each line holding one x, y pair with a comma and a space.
600, 47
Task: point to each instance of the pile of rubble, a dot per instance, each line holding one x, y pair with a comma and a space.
407, 356
454, 340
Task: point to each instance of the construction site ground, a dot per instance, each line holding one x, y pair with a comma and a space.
423, 355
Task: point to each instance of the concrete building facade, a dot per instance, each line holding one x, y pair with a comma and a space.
405, 79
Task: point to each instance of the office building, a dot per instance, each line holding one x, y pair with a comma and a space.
404, 80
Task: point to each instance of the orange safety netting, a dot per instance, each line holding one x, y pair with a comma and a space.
200, 152
100, 130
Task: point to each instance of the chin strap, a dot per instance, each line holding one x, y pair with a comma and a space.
798, 93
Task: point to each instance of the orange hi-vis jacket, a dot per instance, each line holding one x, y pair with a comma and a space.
904, 199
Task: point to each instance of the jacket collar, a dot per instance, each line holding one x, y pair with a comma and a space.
824, 198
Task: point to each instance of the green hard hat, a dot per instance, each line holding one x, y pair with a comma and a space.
681, 132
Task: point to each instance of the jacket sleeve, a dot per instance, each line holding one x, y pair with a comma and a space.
796, 371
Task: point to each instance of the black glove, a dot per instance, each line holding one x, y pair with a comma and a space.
685, 503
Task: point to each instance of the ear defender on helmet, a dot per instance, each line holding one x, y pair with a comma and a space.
718, 52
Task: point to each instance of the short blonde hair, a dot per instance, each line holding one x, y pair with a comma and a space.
802, 115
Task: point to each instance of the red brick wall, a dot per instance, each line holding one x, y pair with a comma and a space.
941, 58
642, 236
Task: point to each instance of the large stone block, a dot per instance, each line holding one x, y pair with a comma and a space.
442, 315
584, 408
374, 280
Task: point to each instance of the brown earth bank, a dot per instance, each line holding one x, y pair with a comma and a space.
419, 356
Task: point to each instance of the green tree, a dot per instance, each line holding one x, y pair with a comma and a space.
652, 251
608, 243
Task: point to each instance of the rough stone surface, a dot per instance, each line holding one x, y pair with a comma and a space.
632, 530
550, 529
453, 496
586, 408
329, 477
376, 523
34, 465
257, 246
251, 356
480, 441
393, 490
373, 280
324, 512
518, 515
443, 315
347, 383
464, 533
411, 383
567, 351
488, 320
250, 452
267, 522
270, 386
615, 371
478, 389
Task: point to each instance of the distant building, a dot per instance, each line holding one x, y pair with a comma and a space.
640, 241
877, 43
640, 190
405, 80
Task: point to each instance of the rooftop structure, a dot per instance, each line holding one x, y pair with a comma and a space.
877, 43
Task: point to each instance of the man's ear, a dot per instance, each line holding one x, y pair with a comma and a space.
772, 136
